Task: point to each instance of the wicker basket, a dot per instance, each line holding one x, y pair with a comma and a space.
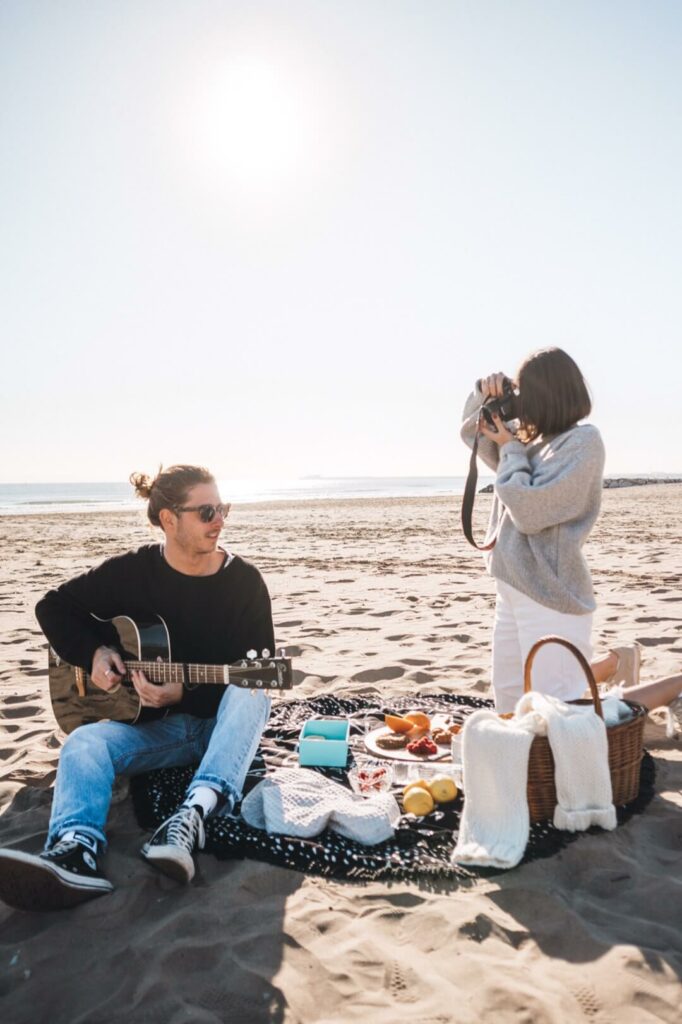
625, 745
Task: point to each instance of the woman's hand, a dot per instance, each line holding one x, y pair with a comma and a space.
492, 386
501, 435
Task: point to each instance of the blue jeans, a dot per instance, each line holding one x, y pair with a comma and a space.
94, 754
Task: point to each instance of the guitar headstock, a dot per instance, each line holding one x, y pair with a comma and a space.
263, 672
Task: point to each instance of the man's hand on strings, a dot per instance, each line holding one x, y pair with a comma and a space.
154, 696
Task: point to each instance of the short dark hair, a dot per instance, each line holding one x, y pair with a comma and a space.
553, 394
169, 487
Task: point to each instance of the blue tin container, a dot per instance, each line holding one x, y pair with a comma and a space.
329, 752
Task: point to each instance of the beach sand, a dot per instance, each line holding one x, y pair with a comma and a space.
372, 597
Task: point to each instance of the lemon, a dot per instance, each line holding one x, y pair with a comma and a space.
419, 783
443, 789
418, 801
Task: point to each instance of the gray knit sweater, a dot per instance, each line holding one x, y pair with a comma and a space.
547, 498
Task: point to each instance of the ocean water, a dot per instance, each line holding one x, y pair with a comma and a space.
27, 499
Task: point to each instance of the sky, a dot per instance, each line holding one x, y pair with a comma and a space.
284, 238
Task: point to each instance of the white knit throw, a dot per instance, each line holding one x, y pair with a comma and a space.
301, 802
495, 821
493, 829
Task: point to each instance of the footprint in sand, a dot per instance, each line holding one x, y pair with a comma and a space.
483, 926
420, 677
298, 650
590, 1005
372, 675
23, 712
403, 983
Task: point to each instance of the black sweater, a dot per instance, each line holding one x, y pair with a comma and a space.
211, 619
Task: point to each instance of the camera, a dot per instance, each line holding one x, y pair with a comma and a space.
507, 407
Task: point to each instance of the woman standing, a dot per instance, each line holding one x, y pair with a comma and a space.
548, 490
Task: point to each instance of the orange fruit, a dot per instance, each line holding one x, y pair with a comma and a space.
415, 733
419, 720
397, 724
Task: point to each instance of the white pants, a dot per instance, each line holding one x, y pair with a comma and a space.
519, 622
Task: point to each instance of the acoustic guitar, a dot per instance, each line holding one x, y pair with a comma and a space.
146, 646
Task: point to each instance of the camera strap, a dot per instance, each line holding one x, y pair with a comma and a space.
468, 500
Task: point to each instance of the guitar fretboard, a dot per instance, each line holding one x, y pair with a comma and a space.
163, 672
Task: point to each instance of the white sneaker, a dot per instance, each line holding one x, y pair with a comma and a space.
629, 663
171, 847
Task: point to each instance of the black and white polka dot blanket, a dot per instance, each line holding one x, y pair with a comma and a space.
420, 847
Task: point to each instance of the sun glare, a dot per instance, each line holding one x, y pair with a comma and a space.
254, 124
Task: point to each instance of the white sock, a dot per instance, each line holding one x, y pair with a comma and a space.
204, 797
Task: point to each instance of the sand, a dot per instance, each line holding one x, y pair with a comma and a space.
371, 596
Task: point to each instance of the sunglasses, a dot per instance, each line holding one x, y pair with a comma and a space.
207, 513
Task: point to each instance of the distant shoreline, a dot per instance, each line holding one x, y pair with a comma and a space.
381, 489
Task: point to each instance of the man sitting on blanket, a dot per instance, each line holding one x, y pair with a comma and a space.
217, 608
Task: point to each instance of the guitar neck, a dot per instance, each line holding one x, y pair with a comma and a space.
251, 673
175, 672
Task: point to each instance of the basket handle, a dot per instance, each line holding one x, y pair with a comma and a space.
584, 664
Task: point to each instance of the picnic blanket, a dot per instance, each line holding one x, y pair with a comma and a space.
419, 847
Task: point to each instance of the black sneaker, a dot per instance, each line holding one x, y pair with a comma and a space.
63, 876
170, 848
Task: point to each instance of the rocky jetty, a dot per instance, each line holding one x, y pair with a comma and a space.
640, 481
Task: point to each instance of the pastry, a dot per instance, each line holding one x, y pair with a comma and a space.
391, 741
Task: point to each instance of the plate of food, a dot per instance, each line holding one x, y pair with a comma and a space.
414, 736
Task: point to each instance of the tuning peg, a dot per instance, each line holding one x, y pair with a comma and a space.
252, 654
282, 652
265, 653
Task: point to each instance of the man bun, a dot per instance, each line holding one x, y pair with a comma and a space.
142, 484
